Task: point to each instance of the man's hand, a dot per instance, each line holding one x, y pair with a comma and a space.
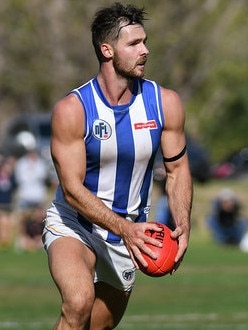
181, 233
135, 239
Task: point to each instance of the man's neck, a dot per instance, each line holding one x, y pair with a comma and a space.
116, 90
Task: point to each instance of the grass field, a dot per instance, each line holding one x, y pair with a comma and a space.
209, 291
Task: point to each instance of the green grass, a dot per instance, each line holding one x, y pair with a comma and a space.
28, 298
209, 291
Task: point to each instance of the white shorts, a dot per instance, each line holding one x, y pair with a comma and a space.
113, 263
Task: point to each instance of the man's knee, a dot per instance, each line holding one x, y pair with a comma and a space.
77, 310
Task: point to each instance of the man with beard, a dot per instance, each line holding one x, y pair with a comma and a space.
105, 135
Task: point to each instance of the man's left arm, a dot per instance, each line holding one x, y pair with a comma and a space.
178, 177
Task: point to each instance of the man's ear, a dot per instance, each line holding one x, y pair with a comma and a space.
107, 50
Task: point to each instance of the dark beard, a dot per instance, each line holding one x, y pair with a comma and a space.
123, 72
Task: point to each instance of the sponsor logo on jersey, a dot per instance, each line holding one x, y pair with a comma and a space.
101, 129
151, 124
128, 274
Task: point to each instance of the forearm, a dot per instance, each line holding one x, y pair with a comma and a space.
180, 193
90, 206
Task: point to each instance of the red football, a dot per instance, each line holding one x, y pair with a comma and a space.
166, 254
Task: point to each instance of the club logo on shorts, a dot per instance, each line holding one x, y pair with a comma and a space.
147, 209
101, 129
128, 274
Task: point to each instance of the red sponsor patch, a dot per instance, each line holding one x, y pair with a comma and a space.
151, 124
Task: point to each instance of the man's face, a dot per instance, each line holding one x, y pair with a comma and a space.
130, 52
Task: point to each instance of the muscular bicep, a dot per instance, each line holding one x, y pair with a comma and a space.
67, 143
173, 140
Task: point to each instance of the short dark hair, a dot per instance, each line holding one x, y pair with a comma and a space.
108, 22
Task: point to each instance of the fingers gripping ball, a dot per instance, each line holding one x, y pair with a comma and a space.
165, 255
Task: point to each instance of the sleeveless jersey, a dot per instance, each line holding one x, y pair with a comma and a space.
121, 143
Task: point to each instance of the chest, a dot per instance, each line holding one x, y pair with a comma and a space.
127, 135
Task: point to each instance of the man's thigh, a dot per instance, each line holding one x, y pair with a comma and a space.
72, 267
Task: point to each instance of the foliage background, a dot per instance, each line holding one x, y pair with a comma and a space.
197, 47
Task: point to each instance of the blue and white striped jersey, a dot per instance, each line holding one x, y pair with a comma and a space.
121, 143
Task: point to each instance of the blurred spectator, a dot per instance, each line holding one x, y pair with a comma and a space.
31, 175
7, 189
225, 221
30, 229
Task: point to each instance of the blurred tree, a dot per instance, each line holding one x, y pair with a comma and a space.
197, 47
